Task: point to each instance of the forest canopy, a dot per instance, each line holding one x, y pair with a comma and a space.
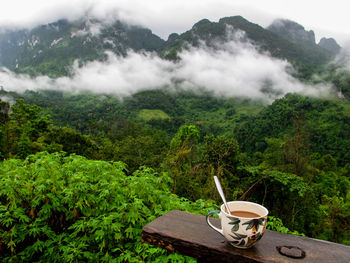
71, 184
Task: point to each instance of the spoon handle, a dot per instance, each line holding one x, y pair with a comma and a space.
218, 186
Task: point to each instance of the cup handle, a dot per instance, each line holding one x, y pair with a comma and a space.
210, 224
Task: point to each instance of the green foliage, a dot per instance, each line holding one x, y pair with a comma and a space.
186, 137
302, 145
70, 141
27, 131
327, 163
27, 117
299, 200
23, 146
322, 124
148, 115
276, 224
22, 128
4, 112
69, 209
292, 156
141, 149
182, 158
102, 114
222, 153
339, 75
335, 218
192, 165
289, 182
4, 118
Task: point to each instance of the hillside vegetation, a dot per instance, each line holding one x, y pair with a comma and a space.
67, 208
81, 173
58, 208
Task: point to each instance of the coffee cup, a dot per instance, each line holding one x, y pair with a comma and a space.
244, 226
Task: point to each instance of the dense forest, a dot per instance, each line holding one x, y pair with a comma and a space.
73, 180
82, 172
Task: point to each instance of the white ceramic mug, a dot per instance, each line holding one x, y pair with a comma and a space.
241, 232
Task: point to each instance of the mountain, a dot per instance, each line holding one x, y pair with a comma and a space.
275, 43
297, 34
292, 30
51, 49
330, 44
10, 42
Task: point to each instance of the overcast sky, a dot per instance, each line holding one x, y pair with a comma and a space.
326, 18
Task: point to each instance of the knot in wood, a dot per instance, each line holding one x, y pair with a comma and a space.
291, 251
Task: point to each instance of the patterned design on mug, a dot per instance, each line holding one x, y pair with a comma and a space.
253, 225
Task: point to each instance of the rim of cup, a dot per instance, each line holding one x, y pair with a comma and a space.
244, 202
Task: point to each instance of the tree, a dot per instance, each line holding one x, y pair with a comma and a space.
23, 126
141, 150
4, 112
296, 146
23, 148
221, 157
335, 220
181, 159
72, 142
187, 136
4, 118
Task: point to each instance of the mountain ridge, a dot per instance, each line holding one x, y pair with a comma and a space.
298, 34
51, 49
292, 30
277, 45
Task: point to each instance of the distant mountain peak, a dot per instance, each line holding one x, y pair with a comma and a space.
264, 40
201, 22
52, 48
233, 20
292, 30
172, 37
330, 44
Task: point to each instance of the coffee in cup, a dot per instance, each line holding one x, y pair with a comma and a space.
244, 226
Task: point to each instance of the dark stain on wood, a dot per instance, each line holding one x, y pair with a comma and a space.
189, 234
291, 251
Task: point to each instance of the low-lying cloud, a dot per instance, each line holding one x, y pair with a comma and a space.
234, 68
240, 70
346, 55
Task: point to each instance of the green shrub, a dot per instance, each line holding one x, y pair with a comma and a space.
275, 223
57, 208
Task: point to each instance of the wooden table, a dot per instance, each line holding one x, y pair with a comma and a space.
189, 234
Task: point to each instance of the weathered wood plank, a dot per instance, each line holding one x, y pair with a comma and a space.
189, 234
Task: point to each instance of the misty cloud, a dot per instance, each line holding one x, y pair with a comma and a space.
162, 17
118, 75
345, 54
10, 81
342, 60
234, 68
166, 17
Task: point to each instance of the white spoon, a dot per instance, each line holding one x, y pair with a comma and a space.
218, 186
